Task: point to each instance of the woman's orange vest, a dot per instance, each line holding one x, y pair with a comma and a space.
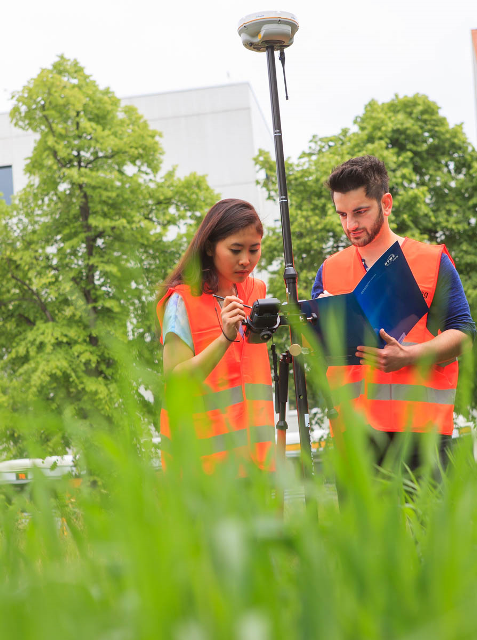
234, 411
412, 398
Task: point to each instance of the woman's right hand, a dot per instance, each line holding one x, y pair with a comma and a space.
233, 313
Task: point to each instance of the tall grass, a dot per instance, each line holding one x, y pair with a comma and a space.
133, 553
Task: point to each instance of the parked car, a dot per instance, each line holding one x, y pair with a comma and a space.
20, 471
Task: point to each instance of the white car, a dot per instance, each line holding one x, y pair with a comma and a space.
19, 472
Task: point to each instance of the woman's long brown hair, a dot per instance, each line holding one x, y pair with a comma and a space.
196, 267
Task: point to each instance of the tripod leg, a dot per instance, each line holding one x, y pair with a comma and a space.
280, 377
282, 426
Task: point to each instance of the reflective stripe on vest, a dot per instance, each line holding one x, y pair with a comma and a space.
214, 400
221, 400
258, 391
410, 393
406, 398
226, 442
346, 392
403, 392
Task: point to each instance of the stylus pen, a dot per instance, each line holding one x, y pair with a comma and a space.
220, 298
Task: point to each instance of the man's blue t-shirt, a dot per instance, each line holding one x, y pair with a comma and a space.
449, 308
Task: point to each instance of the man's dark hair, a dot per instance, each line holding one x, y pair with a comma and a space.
364, 171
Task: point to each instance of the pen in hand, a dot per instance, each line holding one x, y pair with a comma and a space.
221, 298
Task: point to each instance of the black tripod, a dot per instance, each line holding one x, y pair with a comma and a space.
290, 276
280, 378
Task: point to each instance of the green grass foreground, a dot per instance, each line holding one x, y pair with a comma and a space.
135, 553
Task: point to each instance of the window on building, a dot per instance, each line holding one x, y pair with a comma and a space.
6, 184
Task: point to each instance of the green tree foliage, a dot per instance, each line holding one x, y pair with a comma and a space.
83, 248
433, 179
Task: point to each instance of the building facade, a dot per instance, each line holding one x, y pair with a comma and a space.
214, 131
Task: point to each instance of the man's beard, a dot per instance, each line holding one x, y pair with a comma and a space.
368, 236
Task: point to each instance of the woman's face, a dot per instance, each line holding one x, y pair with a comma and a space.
237, 255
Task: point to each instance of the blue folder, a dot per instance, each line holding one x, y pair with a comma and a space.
388, 297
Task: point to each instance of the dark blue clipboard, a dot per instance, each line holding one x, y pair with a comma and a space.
387, 297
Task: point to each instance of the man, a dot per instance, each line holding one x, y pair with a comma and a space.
390, 386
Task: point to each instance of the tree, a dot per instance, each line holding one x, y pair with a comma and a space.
83, 247
433, 179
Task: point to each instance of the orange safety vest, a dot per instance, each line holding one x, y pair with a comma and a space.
234, 411
410, 398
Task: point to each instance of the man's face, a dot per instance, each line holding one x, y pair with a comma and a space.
362, 218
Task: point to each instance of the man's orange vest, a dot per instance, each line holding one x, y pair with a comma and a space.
411, 398
234, 411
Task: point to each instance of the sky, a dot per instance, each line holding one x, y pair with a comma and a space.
345, 53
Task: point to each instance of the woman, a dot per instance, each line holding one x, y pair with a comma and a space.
201, 315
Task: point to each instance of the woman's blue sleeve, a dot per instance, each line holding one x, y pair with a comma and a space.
176, 320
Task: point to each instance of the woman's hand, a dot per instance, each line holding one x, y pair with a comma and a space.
180, 359
232, 315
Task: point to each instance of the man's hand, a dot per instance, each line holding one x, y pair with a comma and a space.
391, 358
325, 294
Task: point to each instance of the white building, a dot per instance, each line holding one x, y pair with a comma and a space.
213, 130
